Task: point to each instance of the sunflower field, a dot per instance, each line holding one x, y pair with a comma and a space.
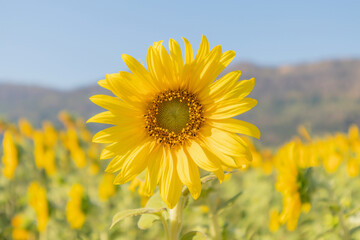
53, 186
183, 165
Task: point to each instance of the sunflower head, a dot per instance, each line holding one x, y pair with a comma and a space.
173, 117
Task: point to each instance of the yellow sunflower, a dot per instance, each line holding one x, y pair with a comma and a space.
10, 156
174, 117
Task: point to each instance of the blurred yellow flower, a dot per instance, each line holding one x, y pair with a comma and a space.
353, 166
10, 157
274, 223
353, 133
74, 212
50, 162
19, 232
332, 162
94, 168
172, 118
39, 151
293, 183
304, 133
71, 142
93, 151
50, 134
204, 208
66, 119
44, 153
106, 188
267, 161
25, 127
38, 200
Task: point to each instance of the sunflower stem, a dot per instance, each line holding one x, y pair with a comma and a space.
214, 223
166, 227
176, 215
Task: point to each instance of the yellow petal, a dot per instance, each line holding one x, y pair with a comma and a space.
230, 108
134, 164
203, 51
236, 126
188, 52
197, 154
189, 173
219, 88
113, 104
122, 83
205, 71
116, 164
155, 66
104, 117
119, 133
240, 90
226, 161
176, 56
103, 83
152, 173
106, 154
139, 71
234, 146
170, 184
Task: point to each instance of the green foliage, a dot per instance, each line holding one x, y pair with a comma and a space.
133, 212
194, 235
155, 202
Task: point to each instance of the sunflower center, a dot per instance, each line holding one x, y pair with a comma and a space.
173, 117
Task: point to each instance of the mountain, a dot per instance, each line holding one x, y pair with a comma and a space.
325, 96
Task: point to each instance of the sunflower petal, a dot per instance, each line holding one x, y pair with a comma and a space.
197, 154
170, 184
188, 52
176, 56
233, 147
203, 51
231, 108
152, 173
139, 71
103, 117
240, 90
134, 164
236, 126
189, 173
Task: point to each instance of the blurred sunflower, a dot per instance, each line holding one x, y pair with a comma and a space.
39, 202
10, 156
174, 117
74, 207
294, 182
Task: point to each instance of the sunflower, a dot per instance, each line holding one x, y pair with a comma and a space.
174, 117
74, 207
294, 183
10, 156
38, 201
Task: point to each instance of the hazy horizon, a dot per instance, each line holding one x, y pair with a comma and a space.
68, 44
19, 82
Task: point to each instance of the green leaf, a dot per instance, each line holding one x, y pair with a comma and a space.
228, 203
354, 230
147, 220
132, 212
194, 235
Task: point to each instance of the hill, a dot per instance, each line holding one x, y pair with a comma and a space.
325, 96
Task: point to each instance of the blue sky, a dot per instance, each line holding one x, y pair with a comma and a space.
67, 44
